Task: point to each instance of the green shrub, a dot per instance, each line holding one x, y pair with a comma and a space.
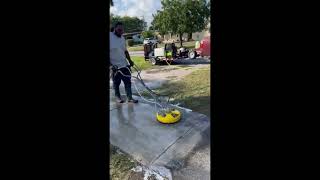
147, 34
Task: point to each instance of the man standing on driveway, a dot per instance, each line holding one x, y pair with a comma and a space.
120, 62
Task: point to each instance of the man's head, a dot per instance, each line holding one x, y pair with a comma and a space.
118, 29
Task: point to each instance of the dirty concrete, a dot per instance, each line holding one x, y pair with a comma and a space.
197, 163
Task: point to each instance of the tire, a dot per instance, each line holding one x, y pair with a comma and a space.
192, 54
153, 61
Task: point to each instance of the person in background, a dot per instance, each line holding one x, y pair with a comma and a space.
174, 50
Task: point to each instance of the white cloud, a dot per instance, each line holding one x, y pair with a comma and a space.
114, 10
139, 8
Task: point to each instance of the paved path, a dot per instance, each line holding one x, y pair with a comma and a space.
136, 53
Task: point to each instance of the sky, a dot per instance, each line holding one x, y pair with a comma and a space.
139, 8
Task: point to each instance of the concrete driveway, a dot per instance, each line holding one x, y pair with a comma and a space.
136, 53
182, 147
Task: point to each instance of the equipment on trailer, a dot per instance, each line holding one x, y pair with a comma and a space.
167, 54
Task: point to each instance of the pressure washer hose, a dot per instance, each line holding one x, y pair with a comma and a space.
153, 94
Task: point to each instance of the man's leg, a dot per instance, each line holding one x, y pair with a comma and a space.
127, 85
116, 85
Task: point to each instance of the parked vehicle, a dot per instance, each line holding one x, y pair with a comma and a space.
150, 40
203, 50
137, 38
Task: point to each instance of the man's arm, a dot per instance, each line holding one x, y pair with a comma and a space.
128, 57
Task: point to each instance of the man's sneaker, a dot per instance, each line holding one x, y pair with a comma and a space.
132, 101
119, 100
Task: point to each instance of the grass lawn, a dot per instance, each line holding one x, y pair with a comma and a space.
120, 164
193, 91
141, 63
136, 48
189, 45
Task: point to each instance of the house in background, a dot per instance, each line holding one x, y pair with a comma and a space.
158, 36
200, 35
197, 36
175, 37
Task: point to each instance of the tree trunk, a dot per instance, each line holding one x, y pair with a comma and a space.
180, 34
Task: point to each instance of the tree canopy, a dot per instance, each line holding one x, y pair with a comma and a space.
182, 16
131, 24
148, 34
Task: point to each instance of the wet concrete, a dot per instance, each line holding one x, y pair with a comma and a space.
184, 148
137, 88
135, 130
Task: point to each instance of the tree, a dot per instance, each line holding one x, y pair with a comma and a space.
157, 23
147, 34
131, 24
182, 16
